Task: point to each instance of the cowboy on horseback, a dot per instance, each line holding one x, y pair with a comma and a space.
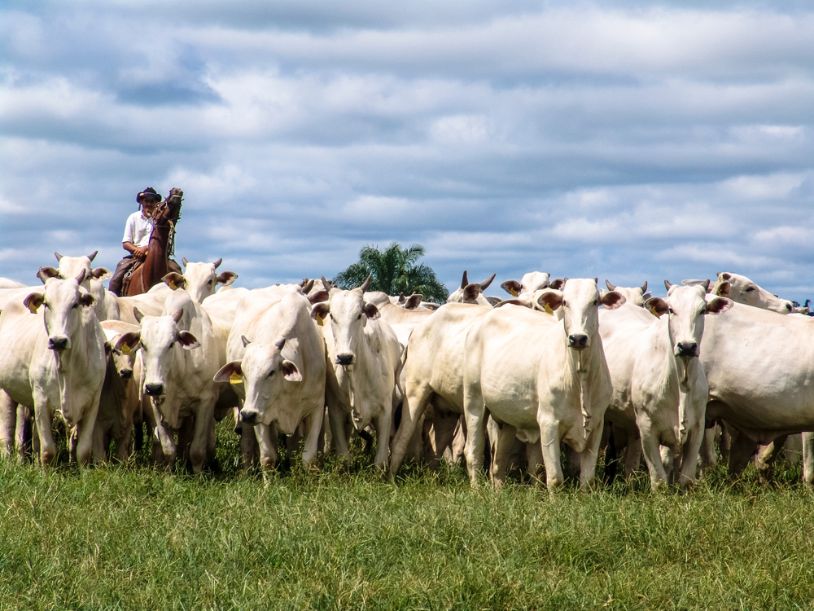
137, 231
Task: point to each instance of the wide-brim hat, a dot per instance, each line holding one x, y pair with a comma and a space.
148, 194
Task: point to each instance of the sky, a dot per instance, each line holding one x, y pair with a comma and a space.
624, 140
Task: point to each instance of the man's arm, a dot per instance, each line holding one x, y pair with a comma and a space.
137, 251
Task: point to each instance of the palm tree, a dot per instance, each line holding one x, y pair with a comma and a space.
395, 271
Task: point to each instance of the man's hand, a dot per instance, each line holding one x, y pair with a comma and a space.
140, 252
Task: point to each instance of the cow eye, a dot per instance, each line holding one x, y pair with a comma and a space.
670, 311
76, 305
332, 318
564, 303
271, 373
749, 289
596, 302
358, 317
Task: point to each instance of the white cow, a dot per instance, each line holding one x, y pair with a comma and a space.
401, 318
471, 292
759, 366
364, 357
200, 279
659, 386
53, 359
743, 290
69, 267
527, 285
280, 366
120, 403
179, 359
546, 378
633, 295
433, 372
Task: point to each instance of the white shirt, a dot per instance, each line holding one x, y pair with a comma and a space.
137, 229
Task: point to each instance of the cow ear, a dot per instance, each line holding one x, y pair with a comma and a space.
318, 297
86, 299
371, 311
718, 305
137, 315
290, 371
549, 300
127, 342
723, 289
612, 300
230, 373
33, 301
47, 272
413, 301
557, 283
512, 287
100, 273
187, 340
174, 280
227, 278
726, 276
657, 306
319, 311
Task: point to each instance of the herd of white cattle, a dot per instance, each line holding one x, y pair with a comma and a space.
554, 365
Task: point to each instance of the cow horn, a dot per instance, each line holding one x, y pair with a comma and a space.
464, 280
279, 345
366, 283
485, 284
667, 284
185, 261
92, 255
611, 286
80, 276
176, 316
644, 287
217, 262
57, 255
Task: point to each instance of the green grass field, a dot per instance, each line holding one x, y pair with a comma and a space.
116, 537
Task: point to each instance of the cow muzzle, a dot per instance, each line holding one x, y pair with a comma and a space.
126, 374
345, 359
686, 349
154, 390
249, 416
578, 341
58, 343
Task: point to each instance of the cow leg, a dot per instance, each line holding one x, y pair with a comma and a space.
590, 455
312, 437
413, 406
633, 453
99, 453
24, 435
249, 448
709, 455
339, 432
8, 424
690, 455
204, 423
458, 441
534, 460
383, 423
808, 459
740, 452
550, 448
504, 445
475, 414
266, 445
652, 453
48, 449
166, 443
85, 428
444, 431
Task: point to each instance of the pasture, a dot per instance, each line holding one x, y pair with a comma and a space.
134, 537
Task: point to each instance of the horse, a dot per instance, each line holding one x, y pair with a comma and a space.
156, 263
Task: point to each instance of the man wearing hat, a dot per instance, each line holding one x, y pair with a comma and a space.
137, 230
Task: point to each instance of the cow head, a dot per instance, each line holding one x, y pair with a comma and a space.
527, 285
471, 292
743, 290
199, 279
62, 303
632, 294
264, 372
159, 338
579, 301
348, 314
70, 267
686, 306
